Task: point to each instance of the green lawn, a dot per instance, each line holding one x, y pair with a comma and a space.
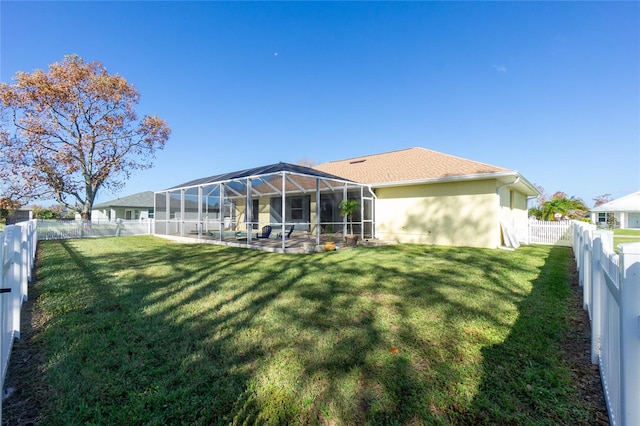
627, 232
138, 330
623, 236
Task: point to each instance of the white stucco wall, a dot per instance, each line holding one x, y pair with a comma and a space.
452, 214
513, 212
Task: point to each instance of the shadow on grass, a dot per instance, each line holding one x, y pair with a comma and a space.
144, 331
527, 378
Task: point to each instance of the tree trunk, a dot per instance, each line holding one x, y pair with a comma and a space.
87, 205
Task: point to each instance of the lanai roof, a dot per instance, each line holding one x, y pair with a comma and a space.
261, 171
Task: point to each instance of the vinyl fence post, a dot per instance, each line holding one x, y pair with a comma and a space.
596, 284
16, 280
24, 261
587, 273
630, 332
2, 235
607, 240
2, 326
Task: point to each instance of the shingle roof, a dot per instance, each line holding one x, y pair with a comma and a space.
412, 164
141, 199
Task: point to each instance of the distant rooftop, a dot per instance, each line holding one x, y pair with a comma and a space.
141, 200
628, 203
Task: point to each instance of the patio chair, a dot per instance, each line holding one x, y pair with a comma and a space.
288, 233
266, 231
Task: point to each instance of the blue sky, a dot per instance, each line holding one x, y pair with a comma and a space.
551, 89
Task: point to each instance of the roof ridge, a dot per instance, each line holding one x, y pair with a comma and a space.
467, 159
365, 157
372, 155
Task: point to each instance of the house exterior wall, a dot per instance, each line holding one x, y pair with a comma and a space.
514, 212
100, 214
137, 213
627, 220
452, 214
624, 220
265, 215
633, 220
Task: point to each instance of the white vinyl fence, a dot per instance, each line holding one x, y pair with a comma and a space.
63, 229
17, 254
557, 233
611, 295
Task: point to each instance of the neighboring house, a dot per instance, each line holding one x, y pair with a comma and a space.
20, 215
132, 207
626, 211
424, 196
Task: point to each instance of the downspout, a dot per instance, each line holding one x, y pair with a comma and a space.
248, 213
529, 198
507, 184
499, 218
317, 212
374, 199
284, 209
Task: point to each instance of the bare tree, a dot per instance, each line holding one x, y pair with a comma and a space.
74, 130
306, 162
602, 199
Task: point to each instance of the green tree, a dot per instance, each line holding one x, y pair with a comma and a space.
40, 212
561, 208
558, 207
348, 208
7, 206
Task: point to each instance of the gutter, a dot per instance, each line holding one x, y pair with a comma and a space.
479, 176
499, 218
507, 184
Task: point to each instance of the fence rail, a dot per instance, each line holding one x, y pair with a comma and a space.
17, 254
610, 282
62, 229
611, 296
556, 233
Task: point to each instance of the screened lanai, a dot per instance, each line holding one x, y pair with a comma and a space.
276, 207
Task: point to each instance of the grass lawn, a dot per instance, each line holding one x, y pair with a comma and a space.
139, 330
623, 236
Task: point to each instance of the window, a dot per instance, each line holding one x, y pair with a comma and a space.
297, 209
255, 213
602, 217
127, 214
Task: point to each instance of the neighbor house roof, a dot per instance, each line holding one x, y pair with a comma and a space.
141, 199
414, 165
628, 203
